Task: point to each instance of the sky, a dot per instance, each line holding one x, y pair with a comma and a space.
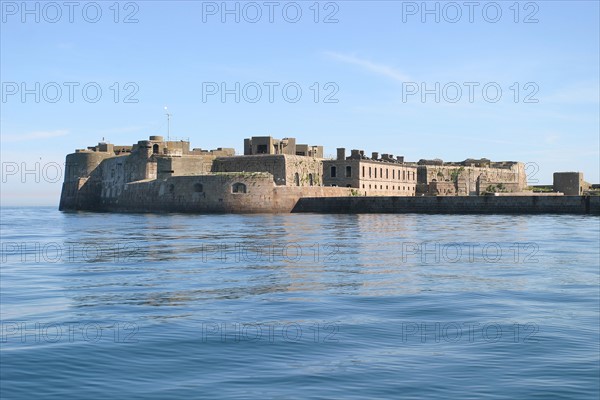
505, 80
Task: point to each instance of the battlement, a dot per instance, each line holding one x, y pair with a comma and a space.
257, 145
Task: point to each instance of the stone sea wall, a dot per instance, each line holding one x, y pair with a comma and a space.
453, 205
215, 193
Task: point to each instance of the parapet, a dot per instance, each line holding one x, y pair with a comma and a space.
268, 145
435, 161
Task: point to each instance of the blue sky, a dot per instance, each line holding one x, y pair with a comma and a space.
371, 61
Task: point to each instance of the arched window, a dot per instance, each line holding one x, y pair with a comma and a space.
348, 171
310, 180
155, 149
297, 179
238, 188
333, 171
198, 188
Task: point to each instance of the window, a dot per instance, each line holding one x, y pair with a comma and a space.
387, 173
369, 172
363, 170
155, 149
348, 171
310, 179
198, 188
363, 185
393, 174
381, 172
297, 179
171, 188
261, 149
238, 188
333, 171
375, 172
403, 175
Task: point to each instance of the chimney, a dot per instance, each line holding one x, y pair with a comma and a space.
341, 153
400, 159
355, 154
374, 155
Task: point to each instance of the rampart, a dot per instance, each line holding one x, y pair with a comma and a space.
469, 178
452, 205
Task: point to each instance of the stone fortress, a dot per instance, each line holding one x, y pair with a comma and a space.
167, 176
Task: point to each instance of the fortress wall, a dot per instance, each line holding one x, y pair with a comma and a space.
282, 167
272, 164
453, 205
82, 164
304, 167
286, 198
215, 195
513, 178
202, 193
79, 167
184, 165
84, 194
112, 174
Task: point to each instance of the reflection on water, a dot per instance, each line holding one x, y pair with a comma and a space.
361, 278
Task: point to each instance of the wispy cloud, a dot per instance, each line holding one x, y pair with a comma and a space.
36, 135
377, 68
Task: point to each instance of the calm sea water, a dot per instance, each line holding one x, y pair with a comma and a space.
102, 306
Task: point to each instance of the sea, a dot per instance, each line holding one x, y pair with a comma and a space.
298, 306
